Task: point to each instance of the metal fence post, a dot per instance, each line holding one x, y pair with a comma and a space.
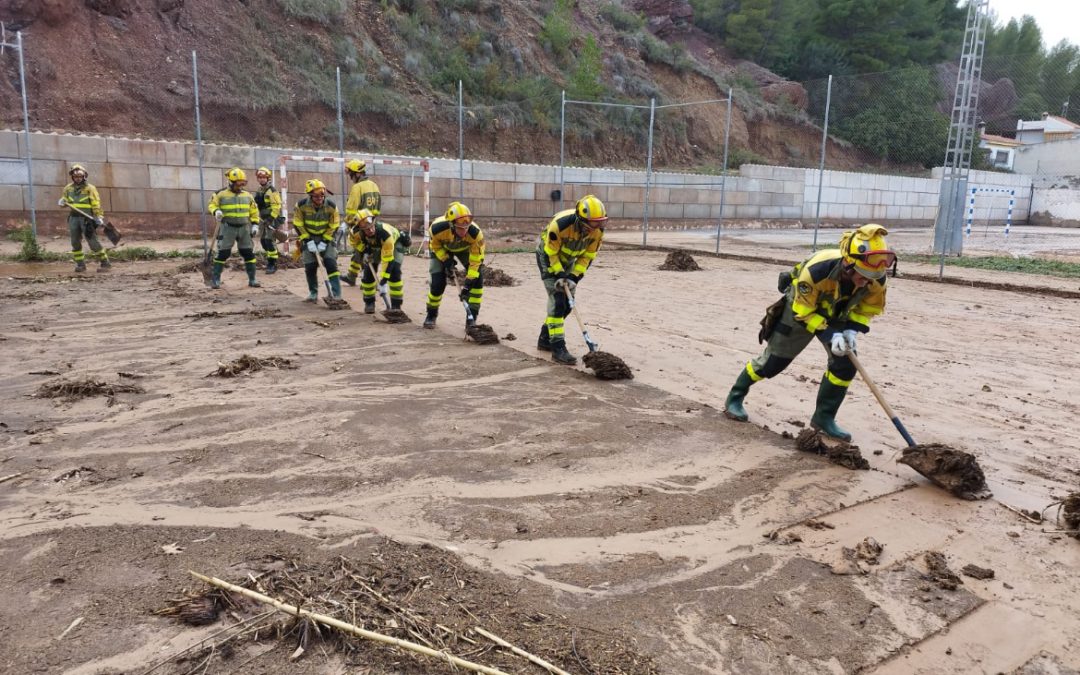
461, 140
199, 150
341, 140
562, 151
723, 172
26, 132
648, 175
821, 167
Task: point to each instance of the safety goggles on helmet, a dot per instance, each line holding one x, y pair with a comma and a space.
77, 169
315, 184
591, 210
459, 214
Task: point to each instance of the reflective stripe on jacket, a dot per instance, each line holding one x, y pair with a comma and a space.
384, 241
239, 207
85, 197
564, 241
316, 223
268, 199
444, 242
820, 300
362, 195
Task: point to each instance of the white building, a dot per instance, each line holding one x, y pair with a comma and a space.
1047, 130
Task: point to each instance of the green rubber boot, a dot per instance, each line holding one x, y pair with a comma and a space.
829, 398
733, 405
215, 278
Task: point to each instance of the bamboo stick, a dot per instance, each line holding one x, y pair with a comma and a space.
11, 476
347, 627
521, 652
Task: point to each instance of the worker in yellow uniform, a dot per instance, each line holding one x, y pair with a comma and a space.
316, 220
832, 295
381, 247
567, 247
81, 195
455, 237
268, 200
236, 212
364, 194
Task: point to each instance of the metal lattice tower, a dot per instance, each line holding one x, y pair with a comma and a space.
948, 235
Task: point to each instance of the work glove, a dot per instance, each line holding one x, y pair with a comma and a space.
254, 230
448, 266
838, 344
465, 288
62, 202
849, 336
342, 228
384, 288
278, 222
321, 247
312, 246
219, 215
99, 221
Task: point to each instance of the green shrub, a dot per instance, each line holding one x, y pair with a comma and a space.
585, 81
621, 19
558, 31
325, 12
30, 251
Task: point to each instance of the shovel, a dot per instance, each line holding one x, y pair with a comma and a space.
606, 366
330, 300
109, 229
482, 334
953, 470
391, 315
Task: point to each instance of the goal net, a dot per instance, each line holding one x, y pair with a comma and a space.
404, 186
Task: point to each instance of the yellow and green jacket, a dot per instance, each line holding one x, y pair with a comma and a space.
820, 300
362, 195
268, 199
85, 197
444, 242
566, 244
239, 207
315, 223
384, 241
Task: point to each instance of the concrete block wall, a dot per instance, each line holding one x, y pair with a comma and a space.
154, 185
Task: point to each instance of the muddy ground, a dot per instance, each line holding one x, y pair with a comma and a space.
610, 527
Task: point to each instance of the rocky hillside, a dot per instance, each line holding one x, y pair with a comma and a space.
267, 75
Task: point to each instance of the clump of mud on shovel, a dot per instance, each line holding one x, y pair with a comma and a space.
396, 316
950, 469
607, 366
680, 261
835, 450
482, 334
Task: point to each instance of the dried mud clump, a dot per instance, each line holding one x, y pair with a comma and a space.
836, 451
73, 390
950, 469
336, 303
421, 594
492, 277
976, 572
937, 571
396, 316
680, 261
482, 334
251, 364
607, 366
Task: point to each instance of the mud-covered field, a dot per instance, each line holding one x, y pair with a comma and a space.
421, 485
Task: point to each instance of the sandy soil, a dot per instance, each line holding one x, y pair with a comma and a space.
610, 527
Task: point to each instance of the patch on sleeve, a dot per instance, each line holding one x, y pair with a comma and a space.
552, 236
804, 288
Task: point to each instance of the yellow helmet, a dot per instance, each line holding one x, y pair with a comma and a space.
262, 170
866, 250
313, 185
592, 209
78, 167
356, 166
234, 174
365, 216
457, 210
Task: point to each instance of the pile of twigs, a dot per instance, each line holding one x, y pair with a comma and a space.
263, 313
250, 364
73, 390
403, 609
